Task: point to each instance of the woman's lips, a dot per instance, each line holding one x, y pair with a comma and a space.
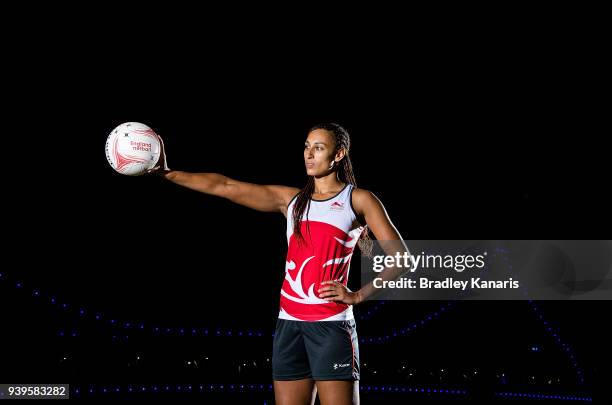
309, 165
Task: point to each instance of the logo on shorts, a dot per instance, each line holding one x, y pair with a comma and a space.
336, 365
337, 206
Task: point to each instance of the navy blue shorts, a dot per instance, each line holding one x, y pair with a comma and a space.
323, 350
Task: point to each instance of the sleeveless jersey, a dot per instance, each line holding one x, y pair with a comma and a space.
331, 231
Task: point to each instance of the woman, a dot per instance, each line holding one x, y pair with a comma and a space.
315, 343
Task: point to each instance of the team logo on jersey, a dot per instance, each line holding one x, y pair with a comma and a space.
337, 206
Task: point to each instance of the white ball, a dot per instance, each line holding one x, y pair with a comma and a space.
132, 148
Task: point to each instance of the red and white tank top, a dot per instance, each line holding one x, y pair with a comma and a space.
325, 254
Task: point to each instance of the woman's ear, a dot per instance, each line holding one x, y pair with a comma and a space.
340, 155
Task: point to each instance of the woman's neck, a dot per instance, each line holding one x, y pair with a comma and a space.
327, 184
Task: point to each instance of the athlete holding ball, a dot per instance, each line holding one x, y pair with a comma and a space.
315, 344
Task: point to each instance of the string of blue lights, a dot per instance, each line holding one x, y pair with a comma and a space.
533, 395
235, 387
548, 327
121, 327
421, 390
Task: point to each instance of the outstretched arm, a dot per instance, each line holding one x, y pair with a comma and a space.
267, 198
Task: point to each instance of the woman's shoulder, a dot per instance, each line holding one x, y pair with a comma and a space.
289, 194
362, 193
362, 198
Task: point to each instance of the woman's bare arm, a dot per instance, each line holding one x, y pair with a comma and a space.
267, 198
371, 208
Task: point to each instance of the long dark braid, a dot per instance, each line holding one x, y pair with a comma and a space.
345, 173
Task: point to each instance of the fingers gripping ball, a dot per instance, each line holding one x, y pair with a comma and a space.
132, 148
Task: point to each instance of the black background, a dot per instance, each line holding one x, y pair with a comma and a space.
487, 142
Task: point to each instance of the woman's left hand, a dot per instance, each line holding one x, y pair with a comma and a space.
335, 291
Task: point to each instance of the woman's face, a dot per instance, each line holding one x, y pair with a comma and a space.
319, 152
